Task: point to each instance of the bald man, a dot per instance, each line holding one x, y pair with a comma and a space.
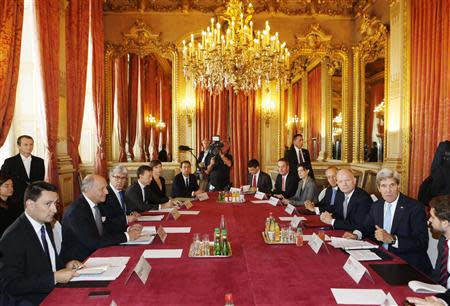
350, 211
83, 228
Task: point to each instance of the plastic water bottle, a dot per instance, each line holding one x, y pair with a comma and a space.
222, 222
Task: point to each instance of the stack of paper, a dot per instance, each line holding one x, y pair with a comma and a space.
114, 267
163, 253
420, 287
151, 218
162, 210
189, 212
290, 218
362, 297
350, 244
363, 255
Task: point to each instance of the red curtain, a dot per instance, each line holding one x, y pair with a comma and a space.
244, 129
297, 104
77, 34
122, 105
98, 89
47, 18
11, 19
286, 116
314, 110
430, 85
211, 115
376, 95
133, 102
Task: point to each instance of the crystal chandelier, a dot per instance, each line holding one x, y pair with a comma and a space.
233, 55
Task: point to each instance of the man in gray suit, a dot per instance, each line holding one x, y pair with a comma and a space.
258, 179
306, 190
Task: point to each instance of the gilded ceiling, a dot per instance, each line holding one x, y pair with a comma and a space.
349, 8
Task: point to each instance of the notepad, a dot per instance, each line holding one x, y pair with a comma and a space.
362, 297
150, 218
177, 230
421, 287
145, 238
115, 265
92, 270
189, 212
363, 255
162, 210
350, 244
163, 253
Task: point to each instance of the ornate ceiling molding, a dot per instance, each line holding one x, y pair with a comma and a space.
374, 38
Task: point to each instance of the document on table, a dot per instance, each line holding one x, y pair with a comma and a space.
177, 230
145, 238
309, 237
350, 244
363, 255
260, 201
163, 253
290, 218
115, 266
189, 212
362, 297
151, 218
162, 210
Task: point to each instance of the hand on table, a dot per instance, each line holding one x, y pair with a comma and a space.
428, 301
74, 265
284, 201
134, 232
382, 235
348, 235
63, 276
168, 204
133, 217
310, 206
326, 217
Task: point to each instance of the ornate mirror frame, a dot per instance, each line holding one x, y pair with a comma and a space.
316, 47
373, 45
141, 41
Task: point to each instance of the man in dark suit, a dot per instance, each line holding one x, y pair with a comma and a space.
332, 193
397, 222
138, 195
350, 211
83, 228
286, 182
115, 207
219, 168
29, 264
297, 155
258, 179
185, 183
24, 168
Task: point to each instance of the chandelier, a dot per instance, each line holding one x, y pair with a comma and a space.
233, 55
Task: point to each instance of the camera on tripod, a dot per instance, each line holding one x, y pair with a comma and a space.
215, 146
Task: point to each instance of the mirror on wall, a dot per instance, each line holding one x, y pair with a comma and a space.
336, 114
374, 110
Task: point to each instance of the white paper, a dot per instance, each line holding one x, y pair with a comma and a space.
162, 210
151, 218
189, 212
245, 188
420, 287
235, 189
274, 201
291, 218
355, 269
349, 244
108, 261
363, 255
115, 267
315, 243
359, 296
309, 237
203, 196
142, 269
177, 230
143, 239
260, 195
163, 253
92, 270
260, 202
290, 209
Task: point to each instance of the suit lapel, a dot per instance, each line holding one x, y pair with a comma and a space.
35, 240
352, 201
22, 166
88, 212
399, 210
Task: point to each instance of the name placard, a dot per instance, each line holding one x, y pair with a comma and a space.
203, 196
315, 243
274, 201
188, 204
245, 188
174, 213
235, 189
290, 209
161, 233
355, 269
295, 221
260, 195
142, 270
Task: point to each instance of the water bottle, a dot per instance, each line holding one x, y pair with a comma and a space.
222, 222
229, 299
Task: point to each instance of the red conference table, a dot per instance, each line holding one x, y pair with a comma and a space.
256, 274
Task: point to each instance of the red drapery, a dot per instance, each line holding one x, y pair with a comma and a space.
77, 34
286, 117
244, 129
430, 85
11, 20
47, 18
122, 105
376, 95
296, 104
98, 89
314, 110
132, 102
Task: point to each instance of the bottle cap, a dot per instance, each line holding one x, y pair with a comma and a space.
228, 297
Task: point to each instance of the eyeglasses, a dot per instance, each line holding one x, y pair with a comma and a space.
120, 178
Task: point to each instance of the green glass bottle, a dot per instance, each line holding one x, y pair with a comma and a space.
225, 246
217, 248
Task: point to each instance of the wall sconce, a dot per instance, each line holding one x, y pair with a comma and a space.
187, 109
337, 125
150, 120
379, 109
268, 110
160, 125
293, 121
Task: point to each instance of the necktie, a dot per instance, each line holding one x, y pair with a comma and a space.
443, 275
333, 196
301, 159
254, 181
98, 220
283, 183
387, 222
122, 201
44, 243
345, 206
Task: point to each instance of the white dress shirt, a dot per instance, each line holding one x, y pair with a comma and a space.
37, 228
27, 163
142, 190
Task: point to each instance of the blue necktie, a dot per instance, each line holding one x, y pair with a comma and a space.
122, 201
387, 222
333, 197
44, 243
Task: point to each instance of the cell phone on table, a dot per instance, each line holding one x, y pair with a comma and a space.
95, 294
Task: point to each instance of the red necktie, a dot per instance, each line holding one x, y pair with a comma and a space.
283, 183
254, 181
443, 277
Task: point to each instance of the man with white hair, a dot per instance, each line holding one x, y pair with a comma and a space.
397, 222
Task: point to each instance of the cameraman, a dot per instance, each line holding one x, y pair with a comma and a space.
219, 168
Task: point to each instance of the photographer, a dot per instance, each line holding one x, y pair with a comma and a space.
219, 167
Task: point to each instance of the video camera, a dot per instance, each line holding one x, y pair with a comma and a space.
215, 146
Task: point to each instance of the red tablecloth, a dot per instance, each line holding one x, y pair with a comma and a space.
256, 274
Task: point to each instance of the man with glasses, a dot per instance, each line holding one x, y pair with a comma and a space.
29, 264
115, 210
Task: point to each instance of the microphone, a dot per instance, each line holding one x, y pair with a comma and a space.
184, 148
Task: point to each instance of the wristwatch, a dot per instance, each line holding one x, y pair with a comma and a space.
394, 239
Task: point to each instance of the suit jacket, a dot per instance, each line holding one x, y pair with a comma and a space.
134, 200
25, 271
410, 227
357, 210
307, 193
291, 185
157, 195
14, 167
437, 269
179, 188
264, 182
291, 155
80, 234
115, 216
325, 203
